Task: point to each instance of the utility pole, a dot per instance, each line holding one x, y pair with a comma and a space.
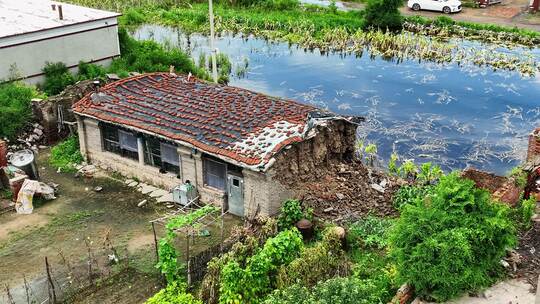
212, 48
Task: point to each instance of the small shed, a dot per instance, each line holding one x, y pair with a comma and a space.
33, 32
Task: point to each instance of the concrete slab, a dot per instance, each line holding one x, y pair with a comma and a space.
158, 193
133, 184
168, 198
511, 291
146, 189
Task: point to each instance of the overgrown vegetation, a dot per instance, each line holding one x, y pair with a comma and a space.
383, 14
15, 107
174, 293
252, 283
167, 255
451, 241
67, 154
369, 232
291, 212
57, 77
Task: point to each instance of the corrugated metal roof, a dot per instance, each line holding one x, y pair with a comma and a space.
25, 16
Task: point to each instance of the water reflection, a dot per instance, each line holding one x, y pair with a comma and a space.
453, 115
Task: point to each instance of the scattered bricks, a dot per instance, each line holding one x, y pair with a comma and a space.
533, 149
3, 154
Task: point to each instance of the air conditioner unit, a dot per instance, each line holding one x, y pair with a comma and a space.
184, 193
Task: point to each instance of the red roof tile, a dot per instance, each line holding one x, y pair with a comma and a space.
235, 123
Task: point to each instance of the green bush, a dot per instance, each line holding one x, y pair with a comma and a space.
525, 212
320, 262
250, 285
291, 212
57, 78
15, 108
375, 267
334, 291
383, 14
66, 154
369, 232
149, 56
90, 71
174, 293
411, 195
452, 241
519, 176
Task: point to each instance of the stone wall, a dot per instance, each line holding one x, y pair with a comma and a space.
46, 111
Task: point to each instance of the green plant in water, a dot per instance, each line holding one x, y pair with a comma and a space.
452, 241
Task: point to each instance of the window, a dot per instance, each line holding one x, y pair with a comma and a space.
120, 142
162, 155
169, 158
214, 174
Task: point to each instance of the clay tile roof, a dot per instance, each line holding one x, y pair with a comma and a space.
225, 121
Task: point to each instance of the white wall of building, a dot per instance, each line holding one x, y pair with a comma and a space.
94, 41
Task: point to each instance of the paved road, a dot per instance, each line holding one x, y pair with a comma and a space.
509, 13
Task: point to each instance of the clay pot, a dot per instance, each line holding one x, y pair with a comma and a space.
306, 228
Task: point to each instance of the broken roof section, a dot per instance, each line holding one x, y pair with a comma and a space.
25, 16
237, 125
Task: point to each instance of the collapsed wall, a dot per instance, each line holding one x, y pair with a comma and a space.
322, 172
333, 143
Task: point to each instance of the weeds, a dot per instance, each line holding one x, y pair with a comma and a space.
369, 232
66, 155
15, 107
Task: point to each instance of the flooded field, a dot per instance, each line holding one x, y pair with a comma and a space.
454, 115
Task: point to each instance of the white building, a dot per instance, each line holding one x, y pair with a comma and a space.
33, 32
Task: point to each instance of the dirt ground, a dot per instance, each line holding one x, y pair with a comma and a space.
80, 214
508, 13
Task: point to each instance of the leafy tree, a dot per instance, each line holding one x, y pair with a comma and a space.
383, 14
57, 78
451, 242
15, 108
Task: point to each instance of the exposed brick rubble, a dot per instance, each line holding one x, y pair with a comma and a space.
241, 125
347, 191
502, 189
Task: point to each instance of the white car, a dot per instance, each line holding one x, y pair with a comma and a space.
445, 6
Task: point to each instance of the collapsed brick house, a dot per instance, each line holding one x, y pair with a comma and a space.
230, 143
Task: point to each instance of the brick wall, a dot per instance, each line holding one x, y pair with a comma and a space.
534, 144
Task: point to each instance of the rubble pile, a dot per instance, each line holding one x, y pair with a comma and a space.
31, 137
346, 192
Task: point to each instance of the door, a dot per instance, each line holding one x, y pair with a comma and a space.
235, 186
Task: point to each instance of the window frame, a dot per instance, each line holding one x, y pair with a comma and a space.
206, 173
110, 139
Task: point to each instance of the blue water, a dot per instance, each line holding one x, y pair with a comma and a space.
454, 116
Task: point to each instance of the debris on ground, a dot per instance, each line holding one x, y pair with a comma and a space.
26, 195
344, 192
30, 137
529, 255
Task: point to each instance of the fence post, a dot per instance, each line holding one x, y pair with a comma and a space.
155, 242
50, 282
188, 236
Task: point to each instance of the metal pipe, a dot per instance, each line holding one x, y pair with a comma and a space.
212, 48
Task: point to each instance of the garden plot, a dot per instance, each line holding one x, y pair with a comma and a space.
80, 215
